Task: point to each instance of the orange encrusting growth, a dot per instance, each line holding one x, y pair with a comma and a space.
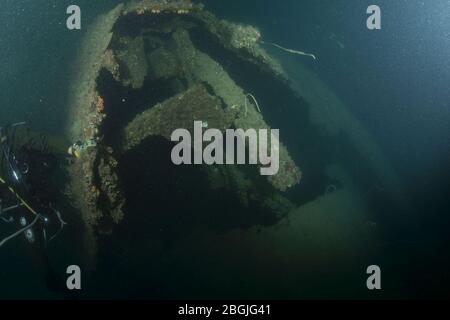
99, 104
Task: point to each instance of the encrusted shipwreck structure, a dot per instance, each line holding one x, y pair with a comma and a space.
147, 68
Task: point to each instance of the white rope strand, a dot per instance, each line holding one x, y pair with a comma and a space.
290, 50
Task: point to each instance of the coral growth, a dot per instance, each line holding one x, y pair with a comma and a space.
99, 104
159, 7
111, 64
95, 118
244, 36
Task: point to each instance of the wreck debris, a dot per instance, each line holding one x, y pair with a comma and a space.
178, 112
111, 64
147, 49
134, 60
243, 40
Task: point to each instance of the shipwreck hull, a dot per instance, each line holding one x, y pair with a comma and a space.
149, 67
146, 69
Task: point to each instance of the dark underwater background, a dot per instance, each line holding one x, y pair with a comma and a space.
394, 81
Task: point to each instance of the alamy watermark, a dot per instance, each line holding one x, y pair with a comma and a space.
374, 280
374, 20
227, 148
73, 22
73, 281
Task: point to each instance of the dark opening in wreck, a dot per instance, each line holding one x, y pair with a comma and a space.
123, 102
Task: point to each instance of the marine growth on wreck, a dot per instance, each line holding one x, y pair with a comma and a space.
150, 67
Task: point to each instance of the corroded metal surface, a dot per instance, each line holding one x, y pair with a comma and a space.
176, 112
